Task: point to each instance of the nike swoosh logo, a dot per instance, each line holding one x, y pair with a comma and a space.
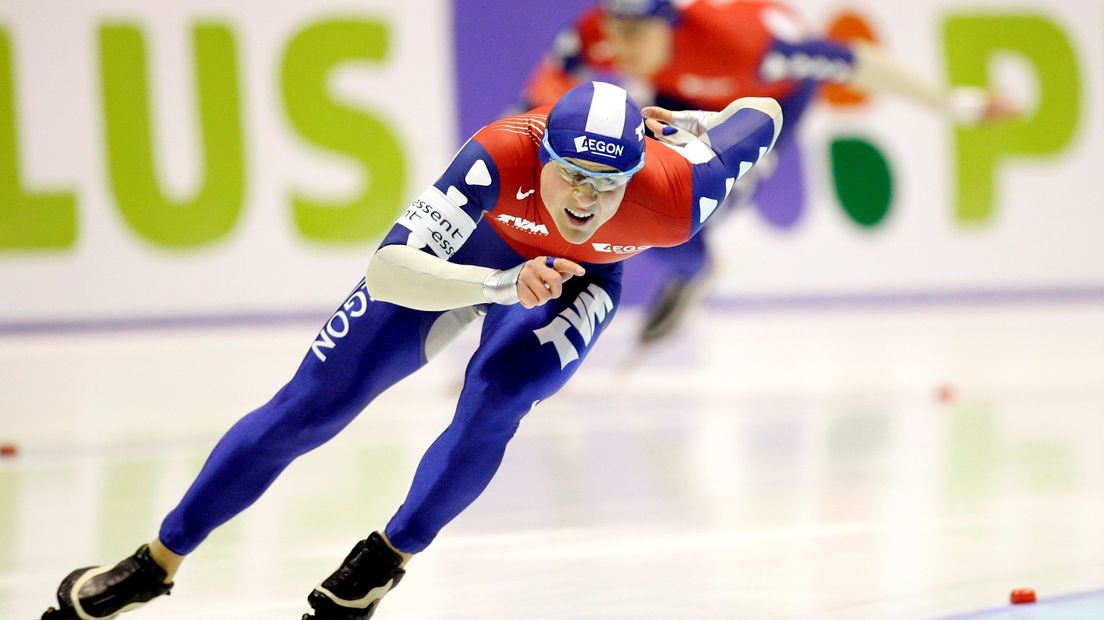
523, 196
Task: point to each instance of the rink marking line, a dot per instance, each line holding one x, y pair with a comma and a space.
159, 323
730, 303
907, 299
1043, 603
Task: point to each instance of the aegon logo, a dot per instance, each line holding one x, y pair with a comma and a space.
339, 324
521, 223
619, 249
590, 310
585, 144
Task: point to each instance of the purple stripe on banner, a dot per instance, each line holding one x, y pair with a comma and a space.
731, 304
498, 44
780, 197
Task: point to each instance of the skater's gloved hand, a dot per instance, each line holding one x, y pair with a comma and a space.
538, 282
686, 126
678, 127
531, 283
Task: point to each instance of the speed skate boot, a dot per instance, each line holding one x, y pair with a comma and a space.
354, 590
102, 592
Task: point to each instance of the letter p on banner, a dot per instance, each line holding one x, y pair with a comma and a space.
972, 42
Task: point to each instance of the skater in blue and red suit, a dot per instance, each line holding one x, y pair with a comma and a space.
526, 229
702, 54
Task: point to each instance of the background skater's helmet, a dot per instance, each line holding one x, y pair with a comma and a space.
641, 9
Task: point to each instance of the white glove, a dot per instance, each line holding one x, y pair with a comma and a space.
680, 127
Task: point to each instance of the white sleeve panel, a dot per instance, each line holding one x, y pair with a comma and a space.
439, 220
406, 276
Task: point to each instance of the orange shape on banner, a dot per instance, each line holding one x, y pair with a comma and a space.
845, 28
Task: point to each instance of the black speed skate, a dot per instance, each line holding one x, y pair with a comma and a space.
354, 590
676, 300
101, 592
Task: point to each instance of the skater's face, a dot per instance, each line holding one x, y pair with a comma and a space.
577, 207
640, 47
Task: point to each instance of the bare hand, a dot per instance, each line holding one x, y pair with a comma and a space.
1000, 109
971, 105
539, 283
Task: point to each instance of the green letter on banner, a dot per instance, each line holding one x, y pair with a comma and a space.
27, 221
213, 210
971, 42
864, 183
309, 59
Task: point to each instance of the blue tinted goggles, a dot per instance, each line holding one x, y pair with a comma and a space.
600, 181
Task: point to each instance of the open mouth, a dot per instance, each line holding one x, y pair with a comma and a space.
577, 218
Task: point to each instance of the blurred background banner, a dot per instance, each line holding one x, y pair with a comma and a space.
199, 158
202, 158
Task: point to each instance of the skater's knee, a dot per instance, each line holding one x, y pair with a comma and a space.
495, 418
288, 430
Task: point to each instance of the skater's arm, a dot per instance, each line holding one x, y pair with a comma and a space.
863, 65
408, 277
877, 70
413, 266
720, 146
416, 264
743, 131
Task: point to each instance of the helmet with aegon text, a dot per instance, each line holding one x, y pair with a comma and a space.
598, 123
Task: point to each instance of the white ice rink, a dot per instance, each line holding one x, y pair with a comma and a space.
770, 464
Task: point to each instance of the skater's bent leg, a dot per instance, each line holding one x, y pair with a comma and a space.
363, 349
684, 261
525, 356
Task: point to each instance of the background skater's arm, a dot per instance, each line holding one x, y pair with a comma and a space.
870, 67
877, 70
